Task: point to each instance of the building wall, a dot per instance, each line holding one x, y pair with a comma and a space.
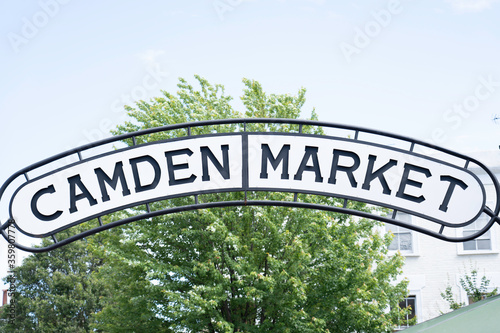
432, 264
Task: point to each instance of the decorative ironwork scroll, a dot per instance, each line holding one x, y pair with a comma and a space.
446, 190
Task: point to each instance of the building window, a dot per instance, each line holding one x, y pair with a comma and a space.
409, 303
403, 237
483, 242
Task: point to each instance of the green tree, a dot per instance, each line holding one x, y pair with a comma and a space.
130, 304
246, 269
57, 291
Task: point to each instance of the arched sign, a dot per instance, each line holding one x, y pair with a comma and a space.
444, 192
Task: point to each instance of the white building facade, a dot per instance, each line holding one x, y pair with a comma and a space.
432, 264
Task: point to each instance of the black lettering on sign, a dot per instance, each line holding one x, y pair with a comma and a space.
206, 153
173, 167
118, 174
267, 155
405, 180
311, 153
34, 208
371, 175
74, 182
347, 169
453, 182
137, 180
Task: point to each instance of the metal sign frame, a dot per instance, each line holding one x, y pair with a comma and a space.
280, 129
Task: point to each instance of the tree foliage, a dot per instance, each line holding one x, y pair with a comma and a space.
243, 269
57, 291
249, 269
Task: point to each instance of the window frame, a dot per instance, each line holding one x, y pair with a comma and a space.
492, 237
413, 314
410, 219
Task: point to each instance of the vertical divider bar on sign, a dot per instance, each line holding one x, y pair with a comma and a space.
189, 133
244, 150
296, 194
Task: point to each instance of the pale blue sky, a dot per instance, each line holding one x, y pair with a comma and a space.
67, 67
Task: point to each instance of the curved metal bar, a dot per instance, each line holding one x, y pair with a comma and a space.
493, 213
242, 203
245, 121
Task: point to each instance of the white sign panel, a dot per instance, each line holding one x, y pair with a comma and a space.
368, 173
337, 167
127, 178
